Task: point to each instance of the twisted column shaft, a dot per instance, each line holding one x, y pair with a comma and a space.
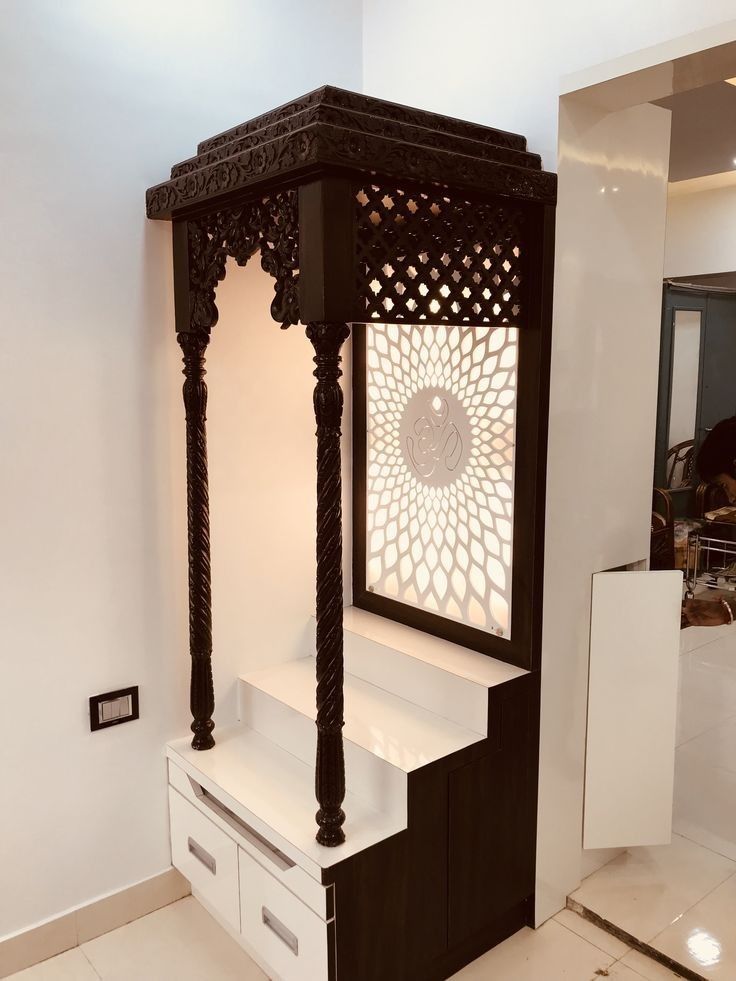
202, 696
327, 339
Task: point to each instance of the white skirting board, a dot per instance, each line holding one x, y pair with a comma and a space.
632, 708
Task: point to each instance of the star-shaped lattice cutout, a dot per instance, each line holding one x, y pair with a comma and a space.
441, 406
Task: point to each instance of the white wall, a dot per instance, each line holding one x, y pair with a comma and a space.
99, 99
701, 231
501, 63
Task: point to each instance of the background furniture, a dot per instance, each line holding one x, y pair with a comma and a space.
662, 552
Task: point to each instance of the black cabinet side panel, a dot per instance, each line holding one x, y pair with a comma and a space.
491, 823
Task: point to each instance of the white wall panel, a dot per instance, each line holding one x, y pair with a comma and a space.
605, 361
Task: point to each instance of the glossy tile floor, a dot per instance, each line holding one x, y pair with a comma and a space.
705, 759
183, 943
681, 898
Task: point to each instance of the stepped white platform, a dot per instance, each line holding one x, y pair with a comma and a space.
448, 680
273, 792
391, 728
418, 713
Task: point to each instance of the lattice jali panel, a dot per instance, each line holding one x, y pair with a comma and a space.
427, 257
440, 421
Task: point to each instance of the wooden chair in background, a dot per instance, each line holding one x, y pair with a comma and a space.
680, 465
662, 542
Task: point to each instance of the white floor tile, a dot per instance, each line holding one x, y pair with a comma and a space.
705, 789
621, 972
692, 638
552, 953
704, 939
590, 932
707, 688
646, 889
646, 967
70, 966
178, 943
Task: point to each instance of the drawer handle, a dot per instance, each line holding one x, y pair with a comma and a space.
282, 932
202, 856
269, 851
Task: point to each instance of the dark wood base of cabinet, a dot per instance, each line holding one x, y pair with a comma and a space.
460, 879
494, 933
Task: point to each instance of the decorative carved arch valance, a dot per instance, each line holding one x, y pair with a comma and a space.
269, 225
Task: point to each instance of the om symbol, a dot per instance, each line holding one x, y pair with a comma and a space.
434, 436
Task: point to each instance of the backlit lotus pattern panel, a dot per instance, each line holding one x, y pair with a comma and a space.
441, 413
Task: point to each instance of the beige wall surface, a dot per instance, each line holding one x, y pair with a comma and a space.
701, 231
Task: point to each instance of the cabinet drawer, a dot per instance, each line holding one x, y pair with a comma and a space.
288, 935
206, 856
255, 843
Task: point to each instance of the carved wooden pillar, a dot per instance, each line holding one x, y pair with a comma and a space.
327, 339
202, 696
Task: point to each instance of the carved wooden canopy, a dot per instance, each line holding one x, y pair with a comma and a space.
361, 210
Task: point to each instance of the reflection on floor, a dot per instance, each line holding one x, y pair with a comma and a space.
183, 943
681, 898
705, 760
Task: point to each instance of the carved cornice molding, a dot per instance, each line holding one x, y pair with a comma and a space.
332, 131
382, 111
363, 123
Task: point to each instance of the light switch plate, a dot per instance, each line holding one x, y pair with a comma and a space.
111, 708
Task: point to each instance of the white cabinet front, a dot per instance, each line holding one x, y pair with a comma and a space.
206, 857
289, 936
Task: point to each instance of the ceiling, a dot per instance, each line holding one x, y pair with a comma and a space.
703, 131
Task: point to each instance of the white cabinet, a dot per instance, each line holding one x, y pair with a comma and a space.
284, 917
205, 856
289, 937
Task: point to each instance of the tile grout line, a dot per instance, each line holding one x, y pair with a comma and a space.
686, 742
616, 960
581, 937
94, 969
689, 909
596, 871
708, 848
630, 968
706, 643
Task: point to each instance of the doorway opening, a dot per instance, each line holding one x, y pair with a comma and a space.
647, 382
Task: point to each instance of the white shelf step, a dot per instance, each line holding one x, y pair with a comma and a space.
273, 792
448, 680
383, 786
394, 730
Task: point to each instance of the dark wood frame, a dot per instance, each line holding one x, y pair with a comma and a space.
523, 648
